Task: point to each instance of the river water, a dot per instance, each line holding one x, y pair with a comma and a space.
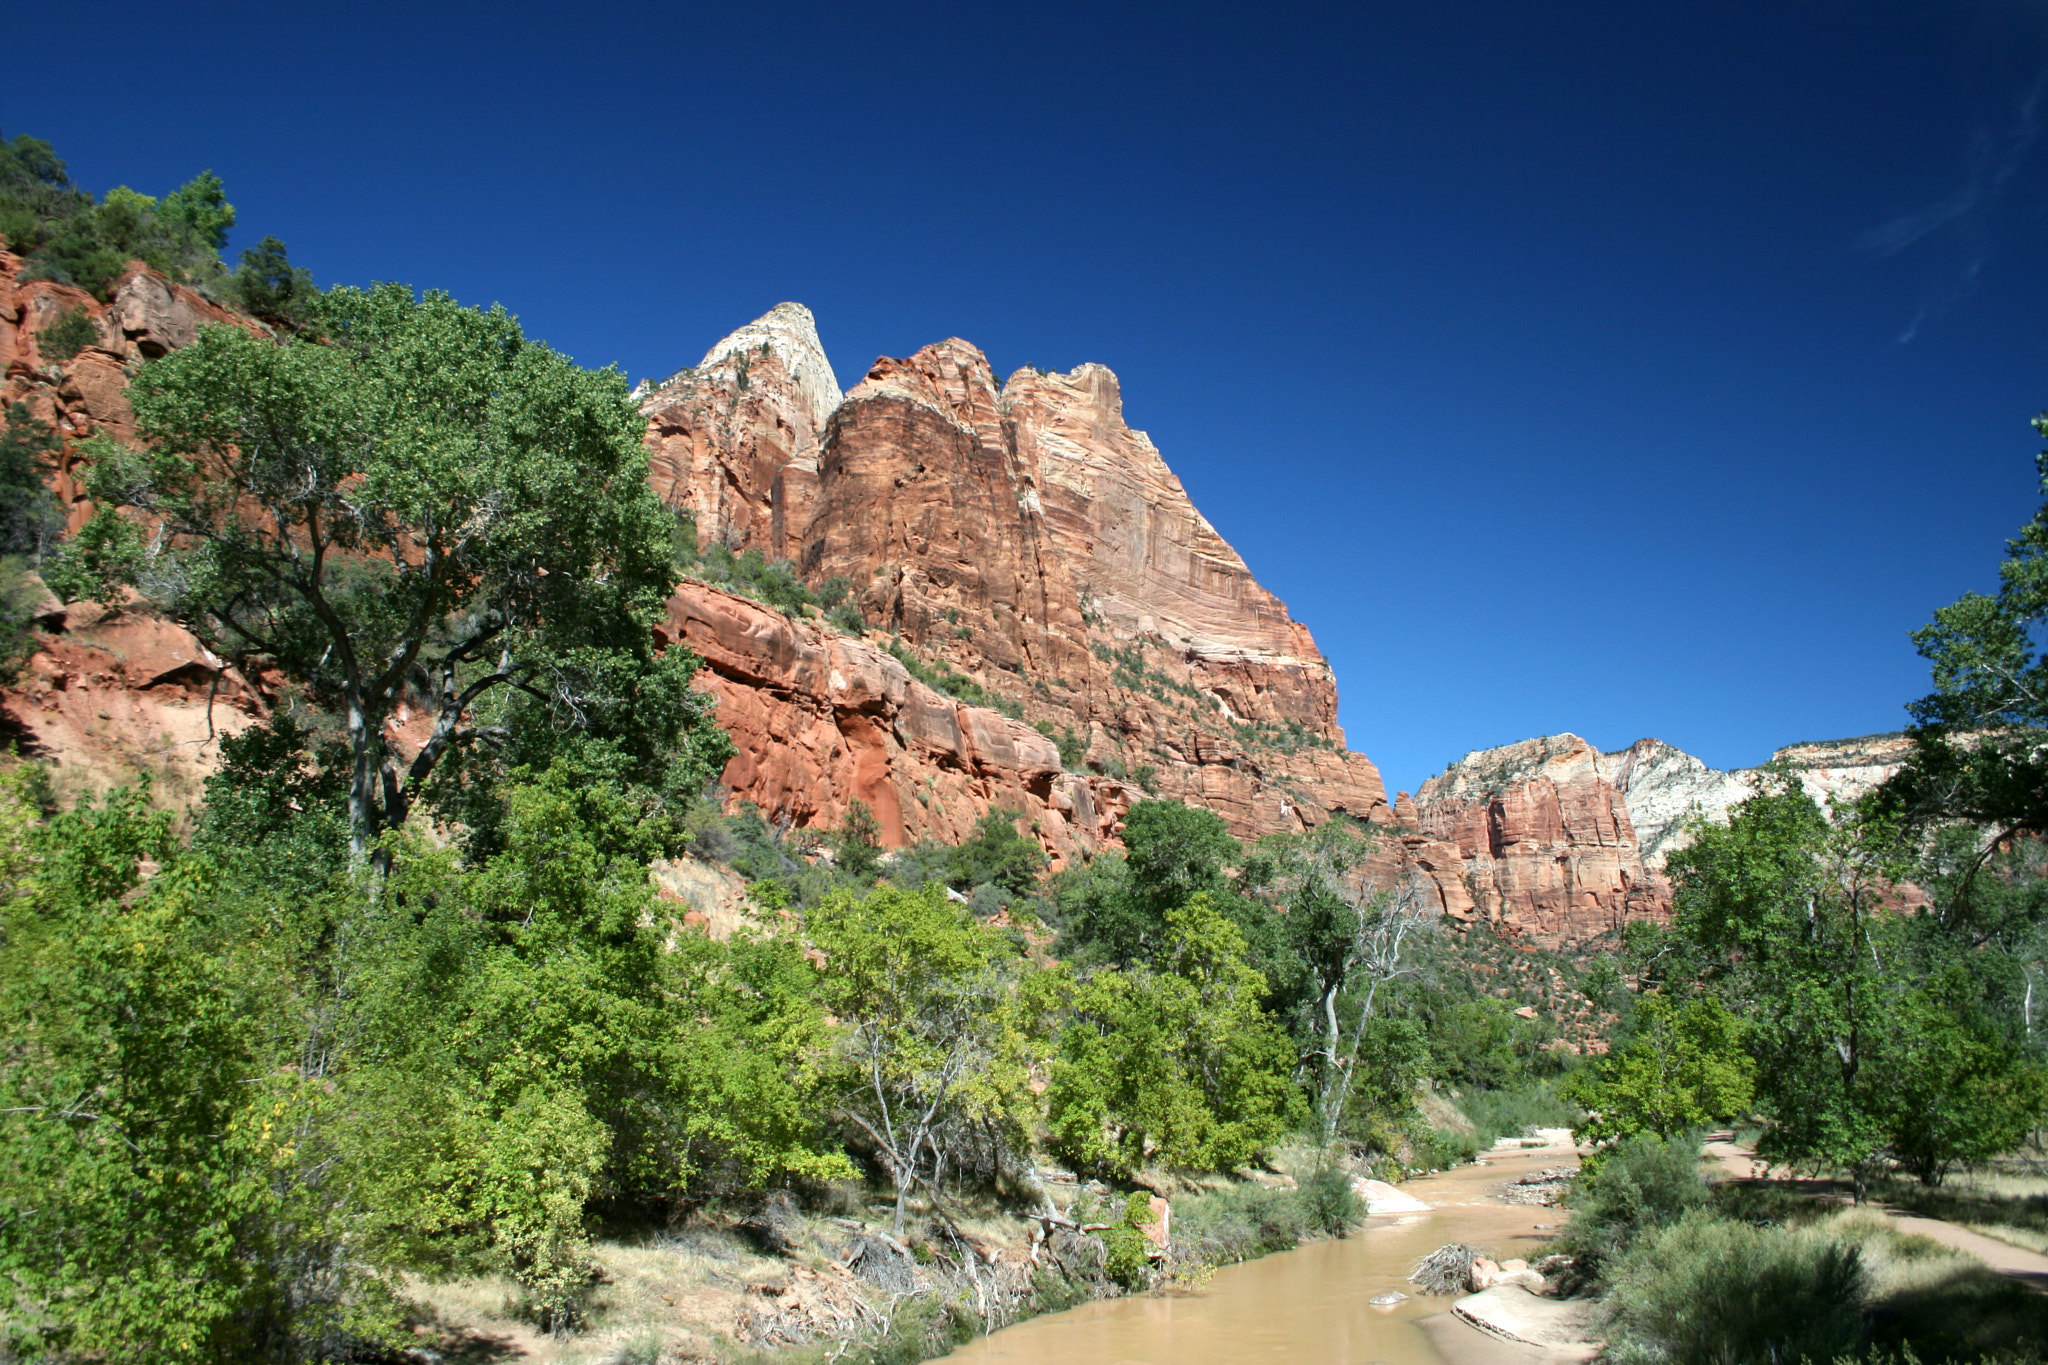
1310, 1304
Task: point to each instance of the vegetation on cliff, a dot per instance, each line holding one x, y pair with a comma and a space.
72, 238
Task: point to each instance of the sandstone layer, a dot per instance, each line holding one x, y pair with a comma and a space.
1020, 535
822, 719
1553, 840
111, 694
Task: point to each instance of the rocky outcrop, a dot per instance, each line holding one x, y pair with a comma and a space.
1543, 844
111, 694
1556, 841
734, 441
822, 719
1022, 536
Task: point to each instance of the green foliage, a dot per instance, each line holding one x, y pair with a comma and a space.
19, 596
71, 333
997, 854
1174, 1064
1240, 1223
858, 843
100, 562
1641, 1184
1955, 1090
268, 286
30, 520
1520, 1109
1977, 756
1329, 1203
941, 677
1870, 1029
35, 192
154, 1170
1705, 1291
1681, 1068
426, 503
934, 1066
1172, 853
70, 239
1125, 1242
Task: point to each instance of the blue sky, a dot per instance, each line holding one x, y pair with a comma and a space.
1627, 369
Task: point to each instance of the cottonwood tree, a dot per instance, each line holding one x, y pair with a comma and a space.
1980, 753
934, 1058
1352, 943
419, 508
1172, 1061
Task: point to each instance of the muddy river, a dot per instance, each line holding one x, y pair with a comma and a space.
1310, 1304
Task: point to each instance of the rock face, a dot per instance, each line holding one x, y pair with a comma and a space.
112, 694
822, 719
1022, 536
1553, 840
1533, 839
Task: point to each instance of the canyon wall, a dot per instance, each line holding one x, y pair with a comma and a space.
1020, 535
112, 693
1553, 840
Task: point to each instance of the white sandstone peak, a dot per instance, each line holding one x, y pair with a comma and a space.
789, 330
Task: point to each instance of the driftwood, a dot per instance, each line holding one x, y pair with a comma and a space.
1445, 1270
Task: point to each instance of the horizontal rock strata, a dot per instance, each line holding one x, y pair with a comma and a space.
1023, 536
1553, 840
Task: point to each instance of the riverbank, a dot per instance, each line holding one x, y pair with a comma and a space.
1316, 1302
831, 1282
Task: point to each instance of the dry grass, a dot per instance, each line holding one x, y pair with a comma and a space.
667, 1299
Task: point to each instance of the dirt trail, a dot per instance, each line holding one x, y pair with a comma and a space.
2028, 1267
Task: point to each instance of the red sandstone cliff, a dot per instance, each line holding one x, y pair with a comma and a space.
111, 694
1025, 536
1553, 840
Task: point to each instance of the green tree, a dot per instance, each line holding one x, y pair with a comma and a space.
1779, 911
1955, 1088
1352, 945
268, 286
997, 854
160, 1186
858, 843
936, 1055
424, 504
1977, 753
1178, 1064
1682, 1067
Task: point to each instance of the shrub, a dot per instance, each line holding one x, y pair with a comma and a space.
67, 336
1705, 1291
1641, 1184
1240, 1223
1517, 1110
1125, 1243
997, 854
1439, 1149
1329, 1204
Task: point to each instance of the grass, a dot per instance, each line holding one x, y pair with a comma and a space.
2010, 1205
1518, 1110
1827, 1284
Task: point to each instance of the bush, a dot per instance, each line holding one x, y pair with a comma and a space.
1518, 1110
67, 336
1241, 1223
996, 854
1125, 1243
1705, 1291
1639, 1185
1329, 1204
1439, 1149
